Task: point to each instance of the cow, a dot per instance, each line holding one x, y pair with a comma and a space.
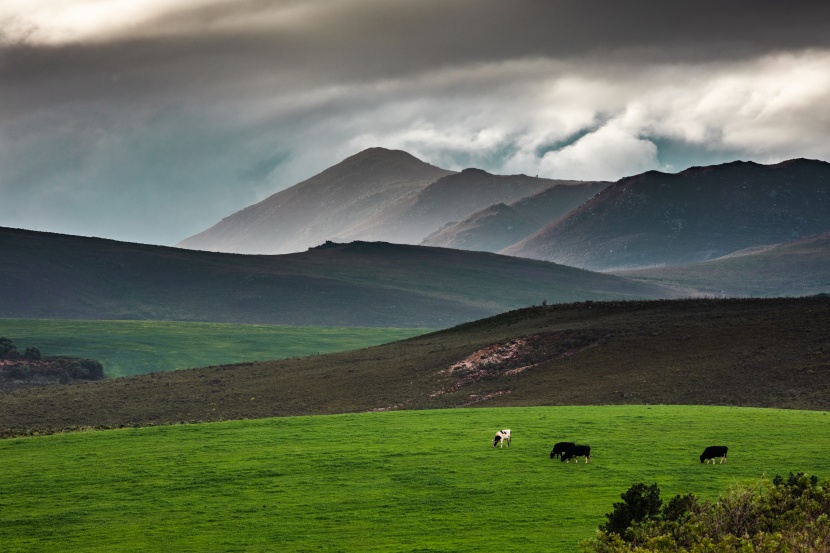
560, 448
713, 452
502, 436
577, 451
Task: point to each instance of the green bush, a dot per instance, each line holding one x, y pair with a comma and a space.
6, 345
785, 515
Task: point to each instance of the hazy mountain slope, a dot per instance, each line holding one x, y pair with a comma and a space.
488, 230
501, 225
320, 208
56, 276
765, 353
450, 198
698, 214
797, 268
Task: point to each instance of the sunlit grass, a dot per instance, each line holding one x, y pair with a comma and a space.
395, 481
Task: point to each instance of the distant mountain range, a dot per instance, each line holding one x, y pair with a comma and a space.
702, 213
500, 225
322, 207
648, 220
56, 276
375, 195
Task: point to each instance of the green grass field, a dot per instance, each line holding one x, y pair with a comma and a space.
138, 347
392, 481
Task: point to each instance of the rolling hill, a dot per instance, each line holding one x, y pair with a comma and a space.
698, 214
797, 268
499, 226
53, 276
321, 207
748, 352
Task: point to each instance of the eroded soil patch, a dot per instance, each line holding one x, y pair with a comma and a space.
511, 357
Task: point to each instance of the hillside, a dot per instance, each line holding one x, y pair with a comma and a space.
321, 207
498, 226
450, 198
796, 268
698, 214
750, 352
53, 276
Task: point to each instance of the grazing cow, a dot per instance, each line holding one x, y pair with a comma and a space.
502, 436
560, 448
713, 452
577, 451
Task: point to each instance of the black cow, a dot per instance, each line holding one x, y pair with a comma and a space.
560, 448
577, 451
713, 452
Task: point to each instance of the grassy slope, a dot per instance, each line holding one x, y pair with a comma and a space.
52, 276
413, 481
800, 267
138, 347
766, 353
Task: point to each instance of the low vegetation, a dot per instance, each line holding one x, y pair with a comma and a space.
127, 348
393, 481
31, 369
783, 515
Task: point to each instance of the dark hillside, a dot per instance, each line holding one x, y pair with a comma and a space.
53, 276
702, 213
797, 268
501, 225
751, 352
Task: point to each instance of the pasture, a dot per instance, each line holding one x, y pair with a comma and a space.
127, 348
387, 481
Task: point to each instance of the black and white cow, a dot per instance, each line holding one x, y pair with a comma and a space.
502, 436
559, 448
576, 451
713, 452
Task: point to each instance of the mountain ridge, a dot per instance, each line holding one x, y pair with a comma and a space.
701, 213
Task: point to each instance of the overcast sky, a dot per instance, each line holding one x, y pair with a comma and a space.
150, 120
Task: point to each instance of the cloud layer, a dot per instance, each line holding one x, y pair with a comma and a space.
150, 120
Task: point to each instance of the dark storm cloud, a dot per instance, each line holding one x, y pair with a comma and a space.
165, 116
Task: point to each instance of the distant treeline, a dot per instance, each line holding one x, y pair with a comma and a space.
31, 369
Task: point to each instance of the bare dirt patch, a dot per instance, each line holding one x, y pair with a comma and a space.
511, 357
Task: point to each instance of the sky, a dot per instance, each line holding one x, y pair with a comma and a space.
150, 120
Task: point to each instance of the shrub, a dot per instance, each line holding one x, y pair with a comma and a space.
639, 502
32, 353
6, 345
785, 515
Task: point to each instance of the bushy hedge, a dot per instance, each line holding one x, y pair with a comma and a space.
783, 515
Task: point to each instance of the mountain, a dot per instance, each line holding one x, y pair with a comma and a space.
797, 268
698, 214
498, 226
750, 352
450, 198
322, 207
56, 276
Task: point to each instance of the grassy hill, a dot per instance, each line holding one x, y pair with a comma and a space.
53, 276
405, 481
797, 268
128, 348
751, 352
